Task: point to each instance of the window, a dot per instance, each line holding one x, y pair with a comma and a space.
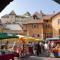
35, 17
38, 35
45, 25
58, 21
34, 25
46, 21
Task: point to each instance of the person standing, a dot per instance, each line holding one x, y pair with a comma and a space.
38, 49
46, 49
30, 47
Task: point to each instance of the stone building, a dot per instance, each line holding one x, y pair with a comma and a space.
38, 25
12, 22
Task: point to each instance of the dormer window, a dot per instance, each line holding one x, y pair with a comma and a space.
35, 17
34, 25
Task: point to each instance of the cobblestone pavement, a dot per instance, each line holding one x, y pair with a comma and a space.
43, 56
38, 58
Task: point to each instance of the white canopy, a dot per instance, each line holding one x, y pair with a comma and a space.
47, 39
13, 27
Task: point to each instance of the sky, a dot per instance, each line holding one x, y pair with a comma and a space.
22, 6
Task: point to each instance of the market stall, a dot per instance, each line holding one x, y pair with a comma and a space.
56, 44
56, 50
25, 42
5, 39
5, 53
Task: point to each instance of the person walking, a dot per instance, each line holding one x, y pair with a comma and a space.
46, 49
38, 49
30, 47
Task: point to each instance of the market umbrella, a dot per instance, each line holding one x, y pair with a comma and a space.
23, 40
20, 36
55, 39
6, 36
30, 39
38, 40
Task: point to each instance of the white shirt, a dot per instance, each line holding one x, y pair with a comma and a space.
46, 46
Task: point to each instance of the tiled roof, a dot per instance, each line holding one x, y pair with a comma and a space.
48, 17
5, 16
33, 21
13, 27
12, 13
27, 14
55, 14
41, 13
19, 16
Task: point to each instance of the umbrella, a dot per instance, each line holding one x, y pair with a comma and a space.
55, 39
38, 40
28, 39
20, 36
6, 36
23, 40
32, 39
49, 39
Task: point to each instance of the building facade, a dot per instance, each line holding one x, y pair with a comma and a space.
38, 25
56, 24
13, 18
49, 27
12, 23
33, 28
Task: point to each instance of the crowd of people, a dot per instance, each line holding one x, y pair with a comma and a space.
35, 48
38, 48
